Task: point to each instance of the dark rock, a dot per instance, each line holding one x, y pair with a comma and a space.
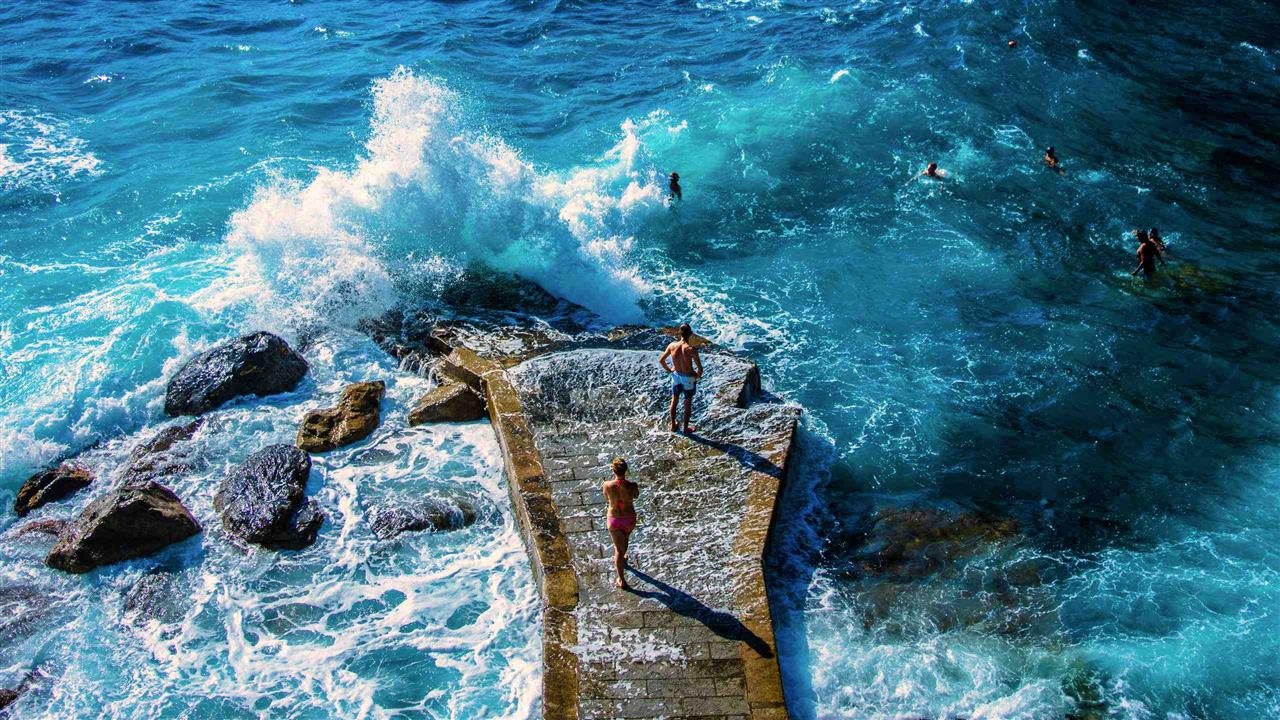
451, 402
123, 524
258, 364
154, 459
357, 415
10, 696
50, 486
153, 597
22, 610
262, 502
42, 527
434, 515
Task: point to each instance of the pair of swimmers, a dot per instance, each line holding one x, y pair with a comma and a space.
1150, 248
1050, 159
682, 362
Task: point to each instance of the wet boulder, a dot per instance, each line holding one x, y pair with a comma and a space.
157, 458
357, 415
388, 522
131, 522
259, 364
450, 402
50, 486
262, 501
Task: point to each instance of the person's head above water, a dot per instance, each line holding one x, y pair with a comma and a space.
675, 177
1142, 235
686, 332
932, 169
1049, 151
619, 467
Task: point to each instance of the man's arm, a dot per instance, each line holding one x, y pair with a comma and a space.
663, 360
697, 361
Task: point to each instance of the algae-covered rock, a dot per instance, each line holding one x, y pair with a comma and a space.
357, 415
451, 402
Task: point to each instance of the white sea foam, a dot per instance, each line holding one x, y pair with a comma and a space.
39, 151
430, 187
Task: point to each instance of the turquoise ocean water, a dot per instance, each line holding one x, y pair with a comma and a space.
172, 174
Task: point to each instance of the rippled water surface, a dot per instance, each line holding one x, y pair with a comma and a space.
1093, 459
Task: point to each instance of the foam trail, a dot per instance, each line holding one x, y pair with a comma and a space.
429, 193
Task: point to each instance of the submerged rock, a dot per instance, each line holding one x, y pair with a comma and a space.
388, 522
357, 415
451, 402
134, 521
50, 486
258, 364
154, 459
262, 501
916, 542
42, 527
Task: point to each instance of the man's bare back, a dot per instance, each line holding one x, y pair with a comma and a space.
682, 356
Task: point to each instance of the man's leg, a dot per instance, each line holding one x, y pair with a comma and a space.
688, 409
672, 412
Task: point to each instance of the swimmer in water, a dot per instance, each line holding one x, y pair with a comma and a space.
676, 192
1051, 159
933, 171
1159, 241
1147, 253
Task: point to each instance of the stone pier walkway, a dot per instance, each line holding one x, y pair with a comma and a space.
694, 638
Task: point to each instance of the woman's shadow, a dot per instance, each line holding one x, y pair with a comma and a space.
682, 603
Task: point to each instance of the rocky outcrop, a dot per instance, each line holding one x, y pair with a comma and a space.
134, 521
50, 486
388, 522
357, 415
451, 402
157, 458
258, 364
262, 501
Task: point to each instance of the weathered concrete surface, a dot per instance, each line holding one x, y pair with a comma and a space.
695, 637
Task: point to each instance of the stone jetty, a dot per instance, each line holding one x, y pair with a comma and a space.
694, 637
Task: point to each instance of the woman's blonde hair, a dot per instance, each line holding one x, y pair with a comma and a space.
619, 467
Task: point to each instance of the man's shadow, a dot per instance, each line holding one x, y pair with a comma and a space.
682, 603
751, 460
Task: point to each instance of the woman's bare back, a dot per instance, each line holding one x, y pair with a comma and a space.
621, 495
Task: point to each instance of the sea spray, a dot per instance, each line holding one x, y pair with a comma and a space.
430, 193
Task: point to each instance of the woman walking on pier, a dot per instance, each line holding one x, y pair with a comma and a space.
621, 494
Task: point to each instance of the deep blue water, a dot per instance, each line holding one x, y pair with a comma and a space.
171, 174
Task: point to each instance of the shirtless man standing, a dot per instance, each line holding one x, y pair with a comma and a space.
685, 374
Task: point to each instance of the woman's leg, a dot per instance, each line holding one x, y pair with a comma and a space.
620, 540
